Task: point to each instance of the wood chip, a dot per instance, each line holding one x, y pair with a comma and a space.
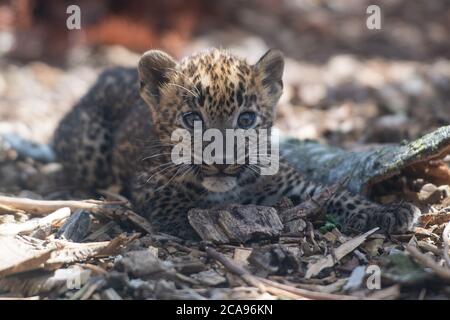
76, 227
236, 223
340, 252
17, 256
240, 256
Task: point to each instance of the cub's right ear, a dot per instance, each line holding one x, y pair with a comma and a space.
154, 67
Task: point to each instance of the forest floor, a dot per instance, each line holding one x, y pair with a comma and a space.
55, 244
103, 250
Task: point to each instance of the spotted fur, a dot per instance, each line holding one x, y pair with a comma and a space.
120, 133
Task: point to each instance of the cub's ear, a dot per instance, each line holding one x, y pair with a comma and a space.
271, 66
154, 67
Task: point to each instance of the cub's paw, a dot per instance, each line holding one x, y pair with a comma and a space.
392, 218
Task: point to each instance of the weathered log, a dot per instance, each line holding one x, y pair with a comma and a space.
327, 165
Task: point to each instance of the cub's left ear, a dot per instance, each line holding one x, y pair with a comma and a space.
154, 69
271, 66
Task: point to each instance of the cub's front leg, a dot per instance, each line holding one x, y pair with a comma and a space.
165, 206
352, 211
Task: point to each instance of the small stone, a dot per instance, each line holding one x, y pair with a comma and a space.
209, 277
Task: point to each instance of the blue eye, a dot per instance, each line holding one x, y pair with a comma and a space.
246, 120
189, 119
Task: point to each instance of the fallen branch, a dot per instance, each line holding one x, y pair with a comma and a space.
43, 207
271, 286
428, 262
307, 293
368, 167
429, 247
114, 210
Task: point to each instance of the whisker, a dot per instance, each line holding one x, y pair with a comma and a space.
175, 174
155, 155
168, 165
185, 77
180, 86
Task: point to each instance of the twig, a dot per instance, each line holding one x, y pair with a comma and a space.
446, 240
181, 247
42, 207
428, 262
429, 247
234, 268
268, 285
307, 293
70, 252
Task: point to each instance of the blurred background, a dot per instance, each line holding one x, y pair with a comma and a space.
344, 84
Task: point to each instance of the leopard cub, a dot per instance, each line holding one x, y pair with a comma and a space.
120, 132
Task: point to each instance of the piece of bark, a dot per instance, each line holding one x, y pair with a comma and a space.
37, 282
240, 256
33, 224
340, 252
17, 256
327, 164
273, 259
76, 227
101, 232
236, 223
70, 252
